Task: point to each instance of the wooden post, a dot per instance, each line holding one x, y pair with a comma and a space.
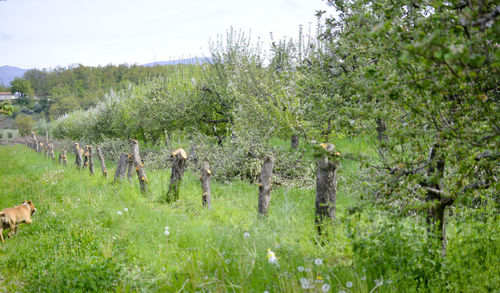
206, 197
121, 167
91, 160
265, 183
78, 156
86, 156
139, 167
131, 168
51, 151
103, 163
326, 184
178, 166
35, 142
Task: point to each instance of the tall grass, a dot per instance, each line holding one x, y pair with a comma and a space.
92, 235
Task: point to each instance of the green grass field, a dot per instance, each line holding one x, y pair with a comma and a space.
92, 235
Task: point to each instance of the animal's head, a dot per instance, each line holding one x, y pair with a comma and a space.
31, 206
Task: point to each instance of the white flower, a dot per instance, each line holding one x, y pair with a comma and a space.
379, 282
318, 261
271, 257
300, 269
246, 234
166, 228
266, 291
364, 269
227, 261
163, 268
125, 210
166, 233
342, 291
304, 283
363, 278
348, 284
325, 287
119, 212
389, 281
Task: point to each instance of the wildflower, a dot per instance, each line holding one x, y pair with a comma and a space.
379, 282
389, 281
300, 269
348, 284
119, 212
325, 287
363, 278
162, 268
271, 257
246, 234
125, 210
304, 283
318, 261
342, 291
227, 261
319, 279
166, 232
167, 228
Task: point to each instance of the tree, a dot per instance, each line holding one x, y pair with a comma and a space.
431, 71
24, 124
22, 86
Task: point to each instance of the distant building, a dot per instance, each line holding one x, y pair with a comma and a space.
7, 96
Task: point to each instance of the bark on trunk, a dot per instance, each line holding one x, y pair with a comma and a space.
62, 158
35, 142
265, 184
139, 167
131, 168
121, 167
178, 166
381, 130
51, 151
206, 197
103, 162
326, 190
295, 141
91, 160
78, 156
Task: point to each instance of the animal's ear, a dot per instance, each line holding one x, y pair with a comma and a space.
29, 201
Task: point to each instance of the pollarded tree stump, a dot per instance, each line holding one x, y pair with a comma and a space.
326, 184
35, 142
178, 166
206, 197
139, 167
78, 156
102, 161
51, 151
121, 167
91, 159
265, 184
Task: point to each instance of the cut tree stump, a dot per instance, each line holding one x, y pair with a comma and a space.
102, 161
121, 167
265, 184
178, 165
206, 197
85, 153
78, 156
326, 185
139, 167
51, 151
91, 159
35, 142
62, 157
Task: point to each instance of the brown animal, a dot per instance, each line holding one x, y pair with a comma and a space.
11, 217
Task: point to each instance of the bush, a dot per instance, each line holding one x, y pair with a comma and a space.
1, 135
10, 134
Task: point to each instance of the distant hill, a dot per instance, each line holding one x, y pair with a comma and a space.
194, 60
9, 73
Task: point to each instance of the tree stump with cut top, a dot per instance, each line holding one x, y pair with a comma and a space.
91, 159
326, 184
78, 156
102, 161
139, 167
85, 153
178, 166
206, 197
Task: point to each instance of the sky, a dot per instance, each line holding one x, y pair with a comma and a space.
51, 33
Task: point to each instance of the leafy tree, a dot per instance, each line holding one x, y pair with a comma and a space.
24, 124
22, 86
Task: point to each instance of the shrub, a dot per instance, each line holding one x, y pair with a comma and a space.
10, 134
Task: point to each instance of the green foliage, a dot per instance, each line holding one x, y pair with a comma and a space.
24, 124
6, 108
10, 134
22, 86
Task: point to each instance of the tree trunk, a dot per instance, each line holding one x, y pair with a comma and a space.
62, 157
295, 141
381, 130
265, 184
139, 167
206, 198
40, 147
35, 142
121, 167
78, 156
178, 166
86, 157
131, 168
326, 189
51, 151
103, 163
91, 159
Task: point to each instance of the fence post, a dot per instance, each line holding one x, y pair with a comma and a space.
139, 167
78, 156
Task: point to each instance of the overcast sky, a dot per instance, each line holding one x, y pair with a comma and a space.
50, 33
